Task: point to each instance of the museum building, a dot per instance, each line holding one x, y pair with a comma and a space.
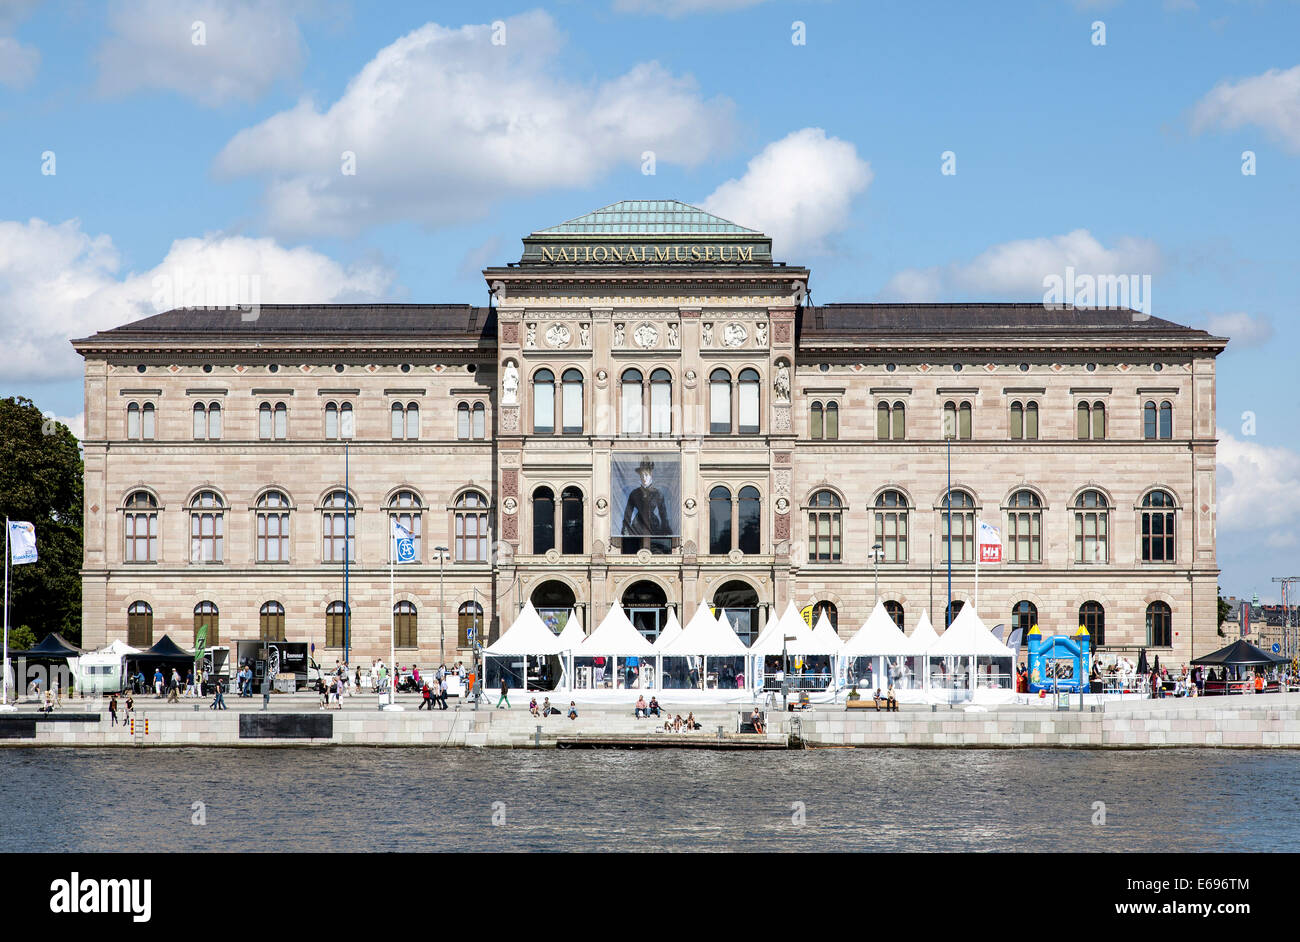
647, 412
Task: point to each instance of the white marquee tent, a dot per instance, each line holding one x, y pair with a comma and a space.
507, 658
881, 646
614, 655
103, 671
987, 661
672, 631
706, 655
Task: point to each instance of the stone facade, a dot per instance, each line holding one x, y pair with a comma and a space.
685, 321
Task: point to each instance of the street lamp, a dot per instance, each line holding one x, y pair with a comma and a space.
442, 614
876, 552
785, 673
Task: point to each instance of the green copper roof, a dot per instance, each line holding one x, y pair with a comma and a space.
647, 217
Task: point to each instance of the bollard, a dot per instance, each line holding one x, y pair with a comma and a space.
720, 735
934, 708
537, 737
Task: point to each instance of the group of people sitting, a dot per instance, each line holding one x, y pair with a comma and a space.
677, 724
547, 710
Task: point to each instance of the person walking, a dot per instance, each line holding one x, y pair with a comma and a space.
130, 712
505, 689
218, 697
442, 691
157, 682
112, 709
427, 700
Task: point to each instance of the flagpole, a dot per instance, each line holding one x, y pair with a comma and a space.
4, 666
392, 618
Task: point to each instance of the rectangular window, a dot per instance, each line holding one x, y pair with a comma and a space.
132, 423
264, 423
543, 408
572, 408
631, 408
748, 408
1090, 537
661, 409
200, 423
815, 428
963, 421
1098, 423
719, 409
898, 419
963, 537
331, 423
479, 416
347, 422
1081, 425
1017, 422
1031, 422
882, 423
272, 538
281, 422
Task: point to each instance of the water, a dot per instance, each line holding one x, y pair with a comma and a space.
853, 800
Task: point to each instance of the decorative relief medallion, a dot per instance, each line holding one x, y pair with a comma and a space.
782, 505
690, 376
510, 333
782, 527
601, 504
510, 419
782, 481
558, 335
781, 419
510, 482
781, 333
643, 556
646, 336
601, 376
552, 555
733, 335
510, 528
690, 504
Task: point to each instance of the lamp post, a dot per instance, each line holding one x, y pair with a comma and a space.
442, 614
876, 551
785, 672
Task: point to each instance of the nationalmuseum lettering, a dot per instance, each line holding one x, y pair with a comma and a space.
577, 254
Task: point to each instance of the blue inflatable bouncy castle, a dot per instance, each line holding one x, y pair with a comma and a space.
1058, 663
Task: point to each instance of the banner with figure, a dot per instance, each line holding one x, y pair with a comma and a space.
22, 542
646, 498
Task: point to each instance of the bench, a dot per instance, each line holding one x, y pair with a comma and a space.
747, 724
882, 706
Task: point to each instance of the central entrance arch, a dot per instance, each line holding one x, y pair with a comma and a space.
740, 603
646, 605
553, 599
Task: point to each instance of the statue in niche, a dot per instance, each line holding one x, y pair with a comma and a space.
760, 334
510, 385
706, 335
673, 335
531, 340
618, 335
584, 335
781, 385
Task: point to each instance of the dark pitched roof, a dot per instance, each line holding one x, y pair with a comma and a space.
854, 318
53, 645
289, 321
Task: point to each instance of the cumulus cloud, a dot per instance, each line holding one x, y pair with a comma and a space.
18, 62
676, 8
1270, 101
1243, 329
58, 282
444, 123
247, 45
799, 190
1016, 269
1256, 487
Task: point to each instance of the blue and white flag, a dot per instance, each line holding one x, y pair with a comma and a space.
403, 544
22, 542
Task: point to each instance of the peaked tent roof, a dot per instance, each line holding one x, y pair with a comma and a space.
879, 636
616, 636
705, 634
647, 217
572, 635
825, 636
51, 646
672, 631
923, 635
164, 649
110, 654
1240, 652
790, 623
528, 635
967, 636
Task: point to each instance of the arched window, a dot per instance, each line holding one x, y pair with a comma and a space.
206, 615
882, 421
265, 426
719, 521
405, 625
207, 421
133, 420
1017, 420
148, 416
661, 402
630, 398
1160, 623
895, 611
339, 421
571, 540
825, 528
207, 527
719, 402
1098, 421
543, 520
1024, 615
335, 624
739, 602
1091, 528
412, 421
139, 625
959, 508
891, 421
281, 421
952, 611
471, 525
462, 421
405, 509
1149, 420
830, 611
339, 528
273, 421
1025, 528
543, 403
405, 421
1091, 421
1158, 527
572, 381
1166, 419
478, 428
1024, 420
891, 526
553, 600
270, 622
273, 528
140, 517
749, 402
1093, 617
469, 624
749, 521
957, 420
832, 421
816, 421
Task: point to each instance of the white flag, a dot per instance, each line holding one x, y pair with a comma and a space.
990, 543
22, 542
403, 544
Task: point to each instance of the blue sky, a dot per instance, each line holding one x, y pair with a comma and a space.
225, 156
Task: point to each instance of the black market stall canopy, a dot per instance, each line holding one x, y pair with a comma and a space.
53, 647
1239, 654
164, 651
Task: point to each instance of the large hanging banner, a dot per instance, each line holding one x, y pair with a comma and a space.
645, 494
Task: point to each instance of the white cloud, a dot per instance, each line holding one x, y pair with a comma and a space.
248, 45
444, 123
1016, 269
18, 63
1257, 485
58, 282
799, 190
76, 424
1241, 328
1270, 101
676, 8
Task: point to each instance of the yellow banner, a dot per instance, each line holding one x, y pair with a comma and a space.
806, 612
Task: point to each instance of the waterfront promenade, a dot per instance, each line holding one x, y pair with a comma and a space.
1254, 721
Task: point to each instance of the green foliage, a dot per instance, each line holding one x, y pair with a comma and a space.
1223, 609
21, 638
41, 481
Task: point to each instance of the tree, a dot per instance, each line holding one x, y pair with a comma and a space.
1224, 608
41, 482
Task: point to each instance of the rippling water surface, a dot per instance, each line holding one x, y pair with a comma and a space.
852, 800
